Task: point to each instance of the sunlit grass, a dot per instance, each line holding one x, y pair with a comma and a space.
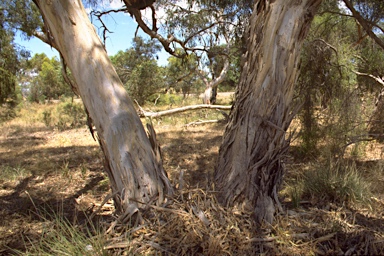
13, 173
60, 237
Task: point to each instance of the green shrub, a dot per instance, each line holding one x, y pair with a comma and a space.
7, 112
70, 115
47, 117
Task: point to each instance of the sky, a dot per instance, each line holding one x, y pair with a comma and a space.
122, 26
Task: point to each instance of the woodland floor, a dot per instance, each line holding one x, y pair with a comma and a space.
62, 171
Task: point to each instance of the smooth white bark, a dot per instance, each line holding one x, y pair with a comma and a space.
131, 163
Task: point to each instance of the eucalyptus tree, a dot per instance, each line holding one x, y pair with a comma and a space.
132, 162
11, 56
181, 74
250, 165
8, 64
198, 28
369, 14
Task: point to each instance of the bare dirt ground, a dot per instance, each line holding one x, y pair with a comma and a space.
47, 169
62, 171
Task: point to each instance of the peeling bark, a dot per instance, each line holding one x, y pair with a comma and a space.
250, 167
135, 173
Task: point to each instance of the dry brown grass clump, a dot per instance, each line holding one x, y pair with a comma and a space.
193, 223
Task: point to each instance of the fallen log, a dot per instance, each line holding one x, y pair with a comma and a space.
143, 113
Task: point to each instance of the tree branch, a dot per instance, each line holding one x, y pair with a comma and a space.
143, 113
99, 14
364, 23
376, 78
165, 42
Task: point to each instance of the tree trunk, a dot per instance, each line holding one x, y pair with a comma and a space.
250, 167
135, 172
376, 122
207, 94
211, 87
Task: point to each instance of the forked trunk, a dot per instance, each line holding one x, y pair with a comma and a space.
135, 172
211, 86
250, 167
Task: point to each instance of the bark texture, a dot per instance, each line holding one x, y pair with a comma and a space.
250, 168
134, 170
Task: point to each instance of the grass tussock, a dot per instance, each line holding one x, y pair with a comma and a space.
336, 181
60, 237
9, 173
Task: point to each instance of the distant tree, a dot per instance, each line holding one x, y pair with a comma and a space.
197, 28
369, 14
43, 79
145, 80
138, 69
141, 50
10, 57
8, 66
182, 75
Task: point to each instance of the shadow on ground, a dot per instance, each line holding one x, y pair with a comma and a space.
37, 184
192, 150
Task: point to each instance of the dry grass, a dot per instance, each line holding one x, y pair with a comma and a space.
62, 170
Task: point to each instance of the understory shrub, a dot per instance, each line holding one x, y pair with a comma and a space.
71, 115
67, 114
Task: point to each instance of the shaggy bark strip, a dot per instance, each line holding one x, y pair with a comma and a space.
250, 168
132, 167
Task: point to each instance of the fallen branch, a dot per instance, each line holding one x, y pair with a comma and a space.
202, 122
376, 78
143, 113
